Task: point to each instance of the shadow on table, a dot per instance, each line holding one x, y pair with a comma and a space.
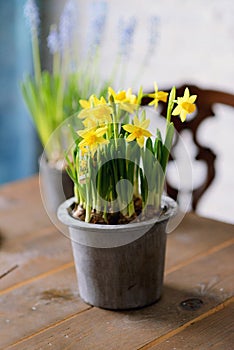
176, 307
1, 239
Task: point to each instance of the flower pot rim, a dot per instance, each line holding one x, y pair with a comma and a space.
67, 219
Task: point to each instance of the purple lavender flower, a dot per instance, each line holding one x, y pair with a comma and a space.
32, 14
67, 24
153, 33
53, 41
97, 23
127, 30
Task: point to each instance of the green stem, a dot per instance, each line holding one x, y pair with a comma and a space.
76, 193
105, 212
170, 105
99, 184
136, 181
36, 56
87, 212
87, 202
131, 209
88, 193
151, 198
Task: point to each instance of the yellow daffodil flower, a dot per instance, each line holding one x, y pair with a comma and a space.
123, 96
92, 102
137, 131
157, 96
96, 116
185, 105
130, 105
85, 103
90, 122
118, 96
131, 98
126, 99
92, 139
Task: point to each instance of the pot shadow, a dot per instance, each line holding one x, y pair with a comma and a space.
165, 317
173, 309
1, 239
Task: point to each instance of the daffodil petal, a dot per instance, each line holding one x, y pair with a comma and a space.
154, 103
183, 115
176, 111
140, 141
84, 103
83, 114
162, 96
146, 133
81, 133
130, 137
136, 121
186, 93
89, 123
129, 127
192, 98
101, 131
145, 124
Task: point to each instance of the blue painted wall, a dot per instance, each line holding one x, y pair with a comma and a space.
19, 147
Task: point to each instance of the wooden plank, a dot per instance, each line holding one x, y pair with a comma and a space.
33, 256
31, 245
208, 278
193, 237
15, 190
216, 332
34, 306
21, 209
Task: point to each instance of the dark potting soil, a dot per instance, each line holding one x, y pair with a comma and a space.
117, 218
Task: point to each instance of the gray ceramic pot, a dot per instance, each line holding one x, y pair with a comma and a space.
55, 185
119, 266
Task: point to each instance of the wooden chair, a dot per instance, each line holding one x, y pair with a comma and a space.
205, 108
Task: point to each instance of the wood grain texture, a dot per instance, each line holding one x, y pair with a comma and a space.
34, 306
214, 332
29, 240
195, 236
33, 256
17, 200
39, 303
209, 278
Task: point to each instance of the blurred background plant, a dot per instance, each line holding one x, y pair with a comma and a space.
53, 96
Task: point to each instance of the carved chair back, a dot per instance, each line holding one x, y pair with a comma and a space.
205, 108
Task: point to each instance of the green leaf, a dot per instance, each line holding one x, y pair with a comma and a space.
167, 146
158, 146
143, 186
149, 145
140, 95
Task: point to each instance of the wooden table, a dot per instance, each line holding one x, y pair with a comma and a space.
40, 307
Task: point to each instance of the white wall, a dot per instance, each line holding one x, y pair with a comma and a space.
196, 40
